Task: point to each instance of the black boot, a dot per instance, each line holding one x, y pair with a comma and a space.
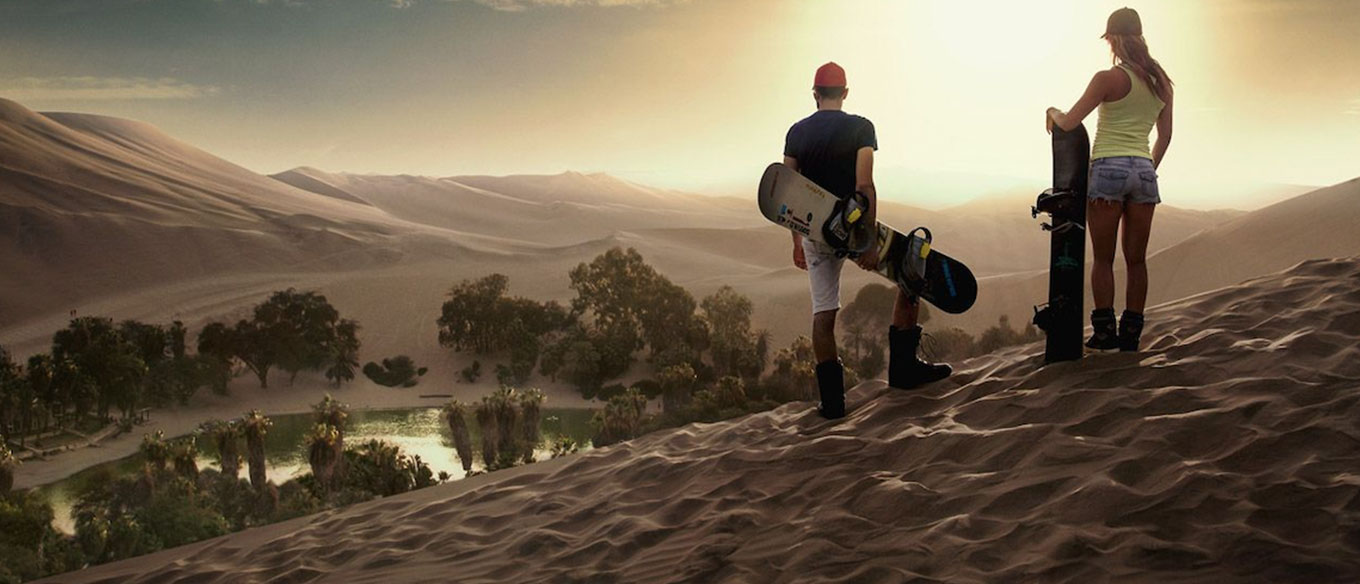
1105, 337
1130, 330
905, 369
831, 386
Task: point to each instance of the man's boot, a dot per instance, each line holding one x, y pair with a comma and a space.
905, 369
831, 386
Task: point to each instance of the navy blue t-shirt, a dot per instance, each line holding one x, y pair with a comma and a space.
826, 144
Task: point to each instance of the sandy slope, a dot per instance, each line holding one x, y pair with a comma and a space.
1226, 452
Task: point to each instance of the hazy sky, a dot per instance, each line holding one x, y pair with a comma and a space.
694, 94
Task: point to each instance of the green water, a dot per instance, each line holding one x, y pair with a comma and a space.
420, 431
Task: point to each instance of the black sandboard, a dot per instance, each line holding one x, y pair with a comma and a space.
1063, 317
792, 201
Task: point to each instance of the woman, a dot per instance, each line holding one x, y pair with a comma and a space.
1132, 97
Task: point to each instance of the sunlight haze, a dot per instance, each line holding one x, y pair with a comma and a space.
696, 95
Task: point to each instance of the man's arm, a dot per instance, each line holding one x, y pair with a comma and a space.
799, 259
864, 183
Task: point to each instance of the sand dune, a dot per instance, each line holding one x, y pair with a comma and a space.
1225, 452
556, 210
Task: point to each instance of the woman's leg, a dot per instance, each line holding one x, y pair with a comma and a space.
1102, 220
1137, 228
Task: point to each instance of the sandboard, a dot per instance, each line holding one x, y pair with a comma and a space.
1063, 317
792, 201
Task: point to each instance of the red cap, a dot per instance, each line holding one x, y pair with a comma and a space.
829, 75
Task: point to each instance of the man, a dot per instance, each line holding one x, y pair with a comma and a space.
836, 150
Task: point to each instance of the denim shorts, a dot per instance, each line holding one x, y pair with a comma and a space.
1124, 179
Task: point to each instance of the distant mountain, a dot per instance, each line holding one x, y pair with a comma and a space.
558, 209
92, 205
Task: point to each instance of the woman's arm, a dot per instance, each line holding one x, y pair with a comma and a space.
1163, 134
1096, 91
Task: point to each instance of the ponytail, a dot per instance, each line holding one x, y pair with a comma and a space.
1133, 51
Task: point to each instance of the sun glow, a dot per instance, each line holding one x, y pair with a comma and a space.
949, 84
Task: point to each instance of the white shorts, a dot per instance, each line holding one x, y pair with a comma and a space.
824, 276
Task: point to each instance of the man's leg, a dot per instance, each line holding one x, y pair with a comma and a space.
905, 369
905, 311
824, 278
824, 336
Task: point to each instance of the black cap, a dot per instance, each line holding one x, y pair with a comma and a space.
1124, 21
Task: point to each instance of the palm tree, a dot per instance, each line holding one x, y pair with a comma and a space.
256, 426
7, 464
344, 352
332, 413
505, 409
321, 454
486, 420
456, 415
225, 436
531, 410
155, 451
184, 453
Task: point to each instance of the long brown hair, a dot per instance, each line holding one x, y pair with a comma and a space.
1133, 51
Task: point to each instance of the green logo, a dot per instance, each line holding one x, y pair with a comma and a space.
1066, 261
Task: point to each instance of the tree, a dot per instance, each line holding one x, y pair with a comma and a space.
7, 465
292, 330
734, 347
302, 328
486, 421
332, 414
455, 413
256, 348
15, 399
505, 407
323, 455
155, 450
531, 413
225, 436
344, 352
794, 377
184, 456
217, 350
469, 320
42, 388
381, 469
255, 426
677, 386
621, 419
102, 358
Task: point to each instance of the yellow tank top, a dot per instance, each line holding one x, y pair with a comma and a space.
1124, 124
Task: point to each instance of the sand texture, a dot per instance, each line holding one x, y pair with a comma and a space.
1227, 451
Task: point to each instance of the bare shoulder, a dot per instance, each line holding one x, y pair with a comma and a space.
1112, 83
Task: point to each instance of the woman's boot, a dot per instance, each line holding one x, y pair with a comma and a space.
1130, 330
1105, 337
